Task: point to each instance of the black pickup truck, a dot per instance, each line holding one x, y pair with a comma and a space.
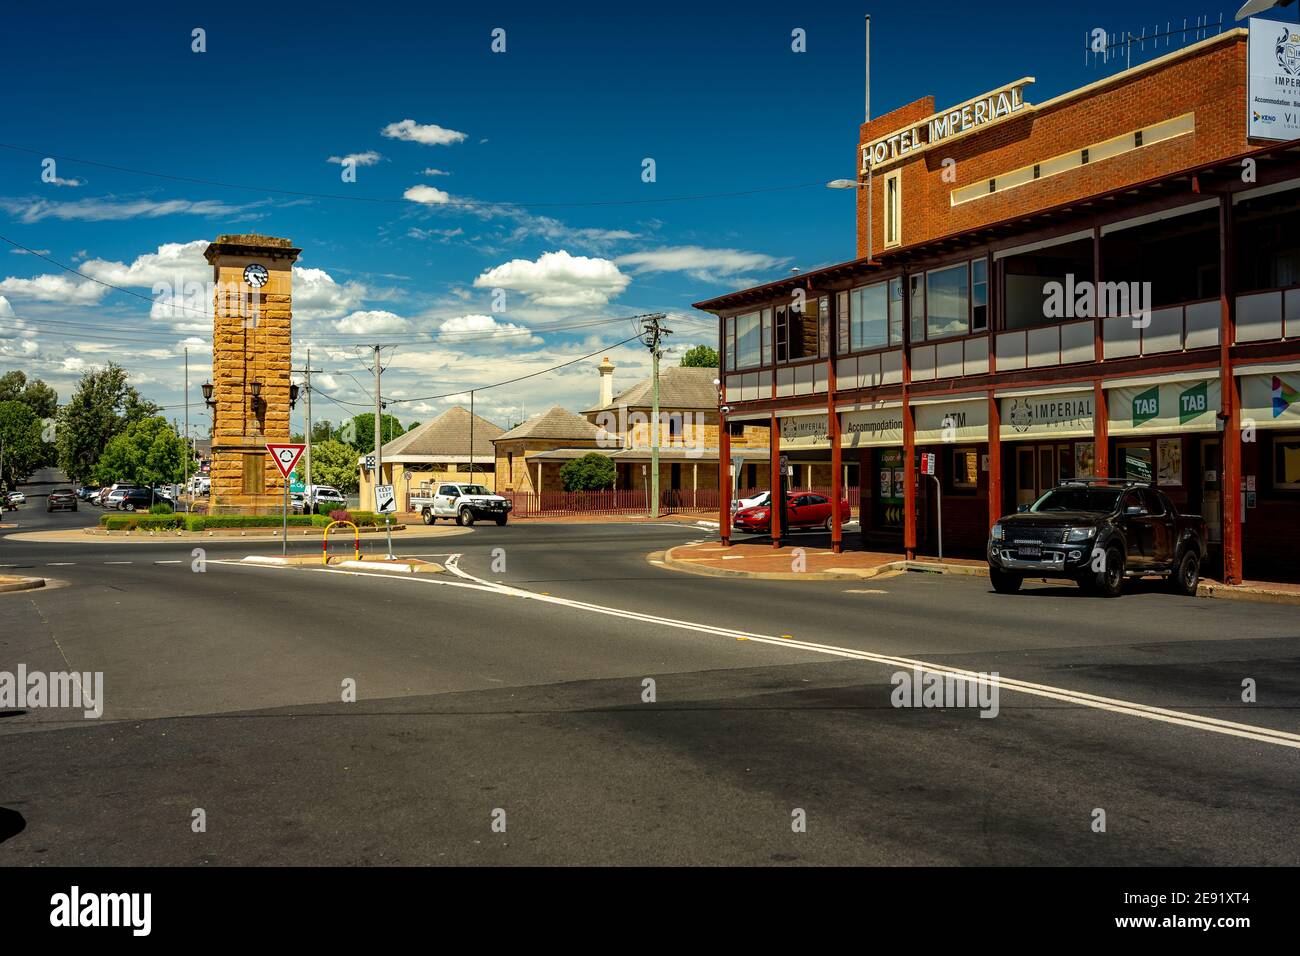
1097, 533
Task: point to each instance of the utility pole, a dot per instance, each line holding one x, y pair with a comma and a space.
188, 453
306, 455
379, 454
652, 336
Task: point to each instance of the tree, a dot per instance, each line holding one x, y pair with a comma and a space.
146, 452
334, 463
36, 395
593, 472
363, 428
20, 436
100, 408
701, 356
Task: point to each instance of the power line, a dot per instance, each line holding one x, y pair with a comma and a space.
463, 203
481, 388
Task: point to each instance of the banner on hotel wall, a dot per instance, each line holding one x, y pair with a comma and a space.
871, 428
1062, 415
804, 431
1271, 401
1273, 94
949, 422
1187, 406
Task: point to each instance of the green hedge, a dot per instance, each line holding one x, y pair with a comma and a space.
362, 519
142, 523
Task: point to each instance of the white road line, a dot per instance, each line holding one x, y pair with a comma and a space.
58, 564
169, 562
1165, 715
117, 562
1281, 738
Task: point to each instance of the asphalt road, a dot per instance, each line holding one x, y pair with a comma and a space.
518, 685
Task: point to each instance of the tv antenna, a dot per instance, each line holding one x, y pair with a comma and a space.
1104, 47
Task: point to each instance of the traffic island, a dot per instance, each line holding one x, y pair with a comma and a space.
14, 582
343, 562
796, 562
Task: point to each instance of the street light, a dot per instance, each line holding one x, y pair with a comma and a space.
207, 395
1259, 6
855, 184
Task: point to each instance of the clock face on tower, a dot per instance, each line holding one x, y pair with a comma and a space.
256, 275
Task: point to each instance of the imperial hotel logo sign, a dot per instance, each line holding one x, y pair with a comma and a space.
1274, 91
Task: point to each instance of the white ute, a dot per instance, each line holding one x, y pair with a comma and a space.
464, 504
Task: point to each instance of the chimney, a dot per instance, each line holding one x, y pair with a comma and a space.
606, 369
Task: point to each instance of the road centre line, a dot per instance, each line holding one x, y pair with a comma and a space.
1093, 701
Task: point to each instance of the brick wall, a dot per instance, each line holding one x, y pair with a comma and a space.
1209, 81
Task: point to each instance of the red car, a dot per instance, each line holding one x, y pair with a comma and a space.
803, 509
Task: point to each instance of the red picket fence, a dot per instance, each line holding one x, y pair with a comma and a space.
620, 502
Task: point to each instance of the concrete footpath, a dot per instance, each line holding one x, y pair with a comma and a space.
794, 562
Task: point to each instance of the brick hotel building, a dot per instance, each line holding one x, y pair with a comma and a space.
967, 328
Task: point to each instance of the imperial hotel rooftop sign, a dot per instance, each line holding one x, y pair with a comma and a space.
985, 110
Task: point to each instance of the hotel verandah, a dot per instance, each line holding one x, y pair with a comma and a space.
935, 340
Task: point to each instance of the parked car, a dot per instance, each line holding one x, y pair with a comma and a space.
463, 504
803, 509
16, 498
325, 495
757, 501
137, 499
298, 502
85, 492
200, 485
1097, 533
115, 495
101, 499
63, 500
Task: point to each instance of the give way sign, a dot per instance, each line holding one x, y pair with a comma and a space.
285, 456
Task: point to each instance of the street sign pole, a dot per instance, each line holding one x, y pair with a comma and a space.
285, 457
284, 545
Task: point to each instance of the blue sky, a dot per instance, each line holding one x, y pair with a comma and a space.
544, 141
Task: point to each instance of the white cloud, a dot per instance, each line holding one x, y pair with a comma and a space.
317, 296
426, 194
31, 209
429, 135
708, 265
54, 288
558, 279
29, 252
368, 158
5, 308
175, 263
475, 328
430, 171
366, 322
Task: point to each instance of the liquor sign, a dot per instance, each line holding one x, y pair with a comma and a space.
1273, 91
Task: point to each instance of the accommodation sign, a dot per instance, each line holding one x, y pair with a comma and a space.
1169, 406
863, 429
1065, 415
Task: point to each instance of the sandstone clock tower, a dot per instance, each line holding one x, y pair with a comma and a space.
251, 359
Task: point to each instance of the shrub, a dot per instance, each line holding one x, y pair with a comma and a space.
161, 508
593, 472
338, 514
142, 522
